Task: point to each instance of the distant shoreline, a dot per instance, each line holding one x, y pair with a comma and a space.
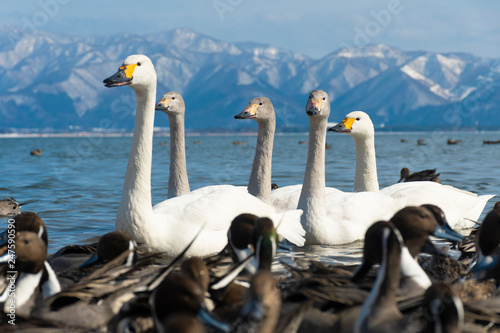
195, 134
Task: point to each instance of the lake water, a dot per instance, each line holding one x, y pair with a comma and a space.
76, 184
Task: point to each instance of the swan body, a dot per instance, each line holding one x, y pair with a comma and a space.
330, 216
171, 225
458, 205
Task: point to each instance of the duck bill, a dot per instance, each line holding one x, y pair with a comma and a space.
121, 78
345, 126
446, 232
248, 113
485, 263
208, 319
91, 261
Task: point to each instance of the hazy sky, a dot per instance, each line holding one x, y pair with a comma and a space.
314, 28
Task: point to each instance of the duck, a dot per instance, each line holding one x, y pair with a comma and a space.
330, 216
488, 245
424, 175
91, 303
262, 305
415, 225
415, 280
173, 105
110, 246
9, 207
170, 225
26, 221
33, 273
179, 295
459, 206
380, 313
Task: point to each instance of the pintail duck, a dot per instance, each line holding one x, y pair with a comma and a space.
415, 224
179, 295
487, 246
110, 246
424, 175
33, 273
26, 221
380, 312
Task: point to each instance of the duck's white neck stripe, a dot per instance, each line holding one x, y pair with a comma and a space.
370, 300
51, 286
410, 268
26, 285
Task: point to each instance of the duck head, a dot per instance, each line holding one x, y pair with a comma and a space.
318, 104
259, 109
415, 225
110, 246
357, 124
27, 221
265, 240
137, 71
443, 229
171, 103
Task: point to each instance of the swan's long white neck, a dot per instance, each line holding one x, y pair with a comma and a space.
365, 178
178, 183
259, 184
312, 197
135, 205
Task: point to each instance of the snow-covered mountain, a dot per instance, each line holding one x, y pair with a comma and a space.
55, 81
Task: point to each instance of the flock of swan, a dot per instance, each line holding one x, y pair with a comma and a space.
308, 213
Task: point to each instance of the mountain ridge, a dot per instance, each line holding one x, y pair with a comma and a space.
54, 82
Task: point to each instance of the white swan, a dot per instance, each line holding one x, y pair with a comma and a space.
458, 205
330, 216
170, 225
173, 105
262, 111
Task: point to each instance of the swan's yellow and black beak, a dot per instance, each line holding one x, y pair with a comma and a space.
162, 105
313, 106
344, 126
249, 112
122, 77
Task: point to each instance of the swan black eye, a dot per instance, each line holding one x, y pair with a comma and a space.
173, 98
357, 118
324, 98
260, 103
138, 64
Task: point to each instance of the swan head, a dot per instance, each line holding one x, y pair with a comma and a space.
318, 104
259, 108
137, 71
171, 103
357, 124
